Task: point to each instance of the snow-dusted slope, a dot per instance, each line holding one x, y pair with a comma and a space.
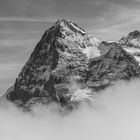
131, 43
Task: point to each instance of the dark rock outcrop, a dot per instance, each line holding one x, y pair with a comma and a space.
115, 65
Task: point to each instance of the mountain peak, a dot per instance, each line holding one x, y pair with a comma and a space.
131, 40
63, 27
67, 24
68, 32
63, 21
62, 53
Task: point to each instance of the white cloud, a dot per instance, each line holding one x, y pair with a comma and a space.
114, 115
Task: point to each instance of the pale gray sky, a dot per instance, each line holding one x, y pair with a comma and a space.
22, 23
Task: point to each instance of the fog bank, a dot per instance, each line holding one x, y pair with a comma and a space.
114, 115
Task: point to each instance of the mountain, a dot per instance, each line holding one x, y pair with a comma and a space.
58, 59
131, 43
68, 65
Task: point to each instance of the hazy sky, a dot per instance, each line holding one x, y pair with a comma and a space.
22, 23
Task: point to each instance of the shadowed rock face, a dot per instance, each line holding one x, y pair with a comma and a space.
115, 65
130, 43
67, 59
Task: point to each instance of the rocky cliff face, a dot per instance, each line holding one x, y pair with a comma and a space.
105, 46
66, 61
113, 66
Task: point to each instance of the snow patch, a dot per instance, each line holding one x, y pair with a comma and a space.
92, 51
132, 50
81, 95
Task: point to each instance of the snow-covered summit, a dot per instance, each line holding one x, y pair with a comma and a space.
66, 23
71, 32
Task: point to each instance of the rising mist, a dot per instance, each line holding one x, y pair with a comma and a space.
114, 115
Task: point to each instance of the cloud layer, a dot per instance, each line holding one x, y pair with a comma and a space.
114, 115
